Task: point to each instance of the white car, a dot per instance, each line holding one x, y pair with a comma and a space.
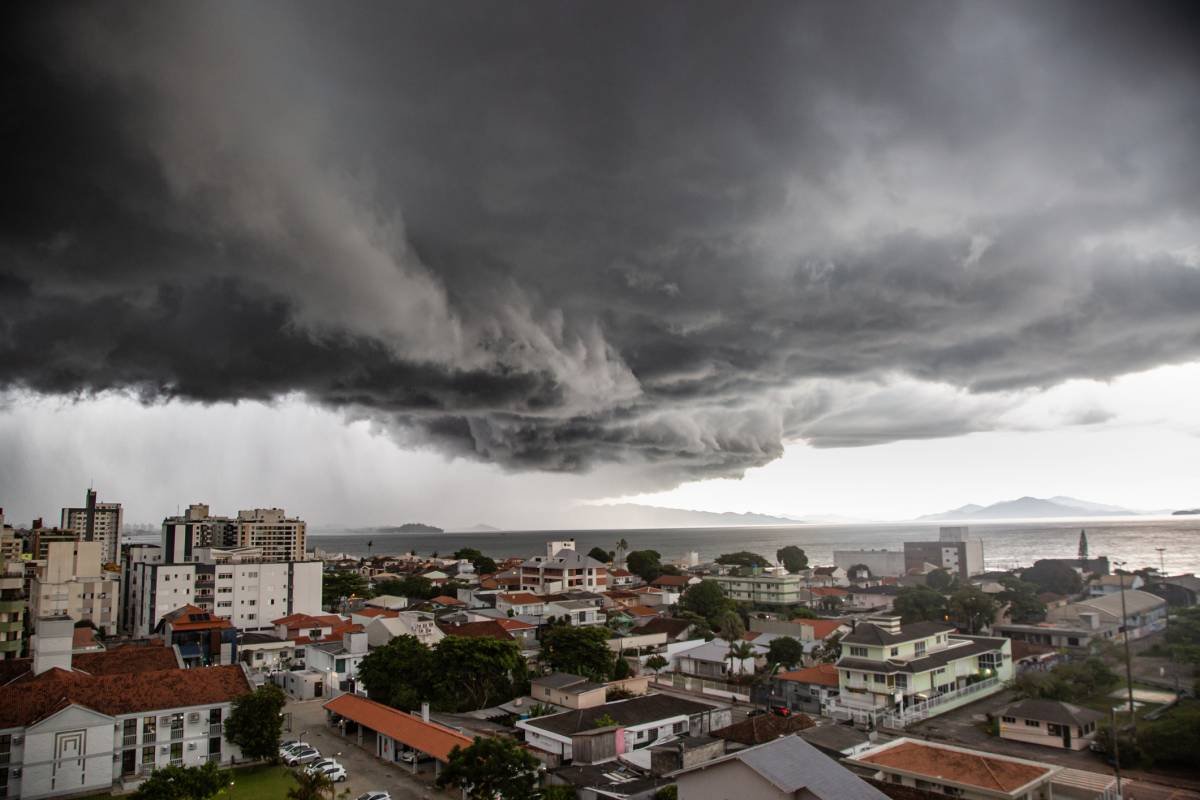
285, 749
411, 756
378, 794
317, 765
335, 772
304, 755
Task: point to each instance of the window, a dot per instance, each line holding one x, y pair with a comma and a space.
148, 756
177, 754
1009, 719
858, 652
129, 732
677, 728
1032, 723
901, 681
879, 677
895, 651
214, 716
5, 748
919, 648
1053, 730
149, 729
177, 726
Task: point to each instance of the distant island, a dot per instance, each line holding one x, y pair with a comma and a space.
633, 515
1033, 508
410, 527
1187, 512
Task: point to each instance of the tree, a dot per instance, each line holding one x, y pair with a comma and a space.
741, 650
601, 555
939, 580
492, 768
830, 651
802, 612
858, 572
414, 587
705, 599
656, 663
743, 558
311, 786
668, 792
580, 651
559, 791
785, 650
919, 604
482, 564
1068, 682
477, 672
338, 585
973, 608
621, 669
183, 783
645, 564
1024, 607
1053, 576
397, 674
792, 558
730, 626
255, 720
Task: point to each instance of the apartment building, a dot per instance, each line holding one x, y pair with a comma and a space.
96, 522
955, 551
776, 588
895, 673
280, 537
10, 543
236, 584
72, 581
103, 721
562, 569
12, 609
42, 538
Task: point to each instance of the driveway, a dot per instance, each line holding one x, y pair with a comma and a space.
365, 770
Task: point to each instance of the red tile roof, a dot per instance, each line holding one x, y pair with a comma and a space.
376, 612
194, 618
829, 591
491, 629
968, 767
641, 611
521, 598
621, 573
40, 696
446, 600
822, 628
428, 737
514, 624
83, 637
129, 658
670, 580
821, 674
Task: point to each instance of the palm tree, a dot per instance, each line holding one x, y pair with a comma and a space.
311, 786
741, 650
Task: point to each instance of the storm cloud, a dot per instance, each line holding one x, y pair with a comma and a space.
556, 235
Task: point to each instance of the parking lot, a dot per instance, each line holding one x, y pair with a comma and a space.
366, 772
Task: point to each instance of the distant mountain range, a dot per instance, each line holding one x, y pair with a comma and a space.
1033, 508
633, 515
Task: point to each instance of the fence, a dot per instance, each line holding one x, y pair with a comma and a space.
923, 710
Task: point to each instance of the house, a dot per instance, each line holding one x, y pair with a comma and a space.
640, 615
264, 652
521, 603
895, 673
1111, 617
673, 586
102, 721
835, 576
203, 638
836, 740
490, 629
562, 569
1108, 584
973, 775
382, 630
445, 601
787, 768
337, 662
575, 612
762, 728
876, 599
712, 660
618, 578
1049, 723
676, 630
1037, 657
522, 631
812, 689
387, 601
805, 630
1179, 590
641, 721
567, 690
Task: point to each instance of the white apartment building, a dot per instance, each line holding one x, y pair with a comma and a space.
772, 588
71, 581
95, 722
562, 569
234, 584
96, 522
280, 537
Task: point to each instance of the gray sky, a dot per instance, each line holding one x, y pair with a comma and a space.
478, 262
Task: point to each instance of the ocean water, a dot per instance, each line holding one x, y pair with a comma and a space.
1006, 544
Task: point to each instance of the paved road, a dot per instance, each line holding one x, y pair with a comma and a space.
367, 773
1141, 790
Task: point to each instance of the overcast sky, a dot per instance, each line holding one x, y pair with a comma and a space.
480, 262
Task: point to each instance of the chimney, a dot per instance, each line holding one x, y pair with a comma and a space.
425, 711
54, 640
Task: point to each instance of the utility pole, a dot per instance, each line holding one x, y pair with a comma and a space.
1128, 655
1162, 564
1116, 744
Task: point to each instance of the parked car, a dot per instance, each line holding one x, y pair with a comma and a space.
304, 755
335, 772
411, 756
317, 765
284, 751
377, 794
781, 711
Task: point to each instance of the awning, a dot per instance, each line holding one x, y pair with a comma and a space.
428, 737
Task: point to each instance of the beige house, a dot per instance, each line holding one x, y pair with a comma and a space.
567, 690
1049, 723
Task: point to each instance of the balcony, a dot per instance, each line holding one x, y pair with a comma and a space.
11, 606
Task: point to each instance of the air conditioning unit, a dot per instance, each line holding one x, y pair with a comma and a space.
165, 749
194, 716
16, 773
18, 740
191, 745
165, 720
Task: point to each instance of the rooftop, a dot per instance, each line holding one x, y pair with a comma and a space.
428, 737
821, 674
521, 598
490, 629
763, 728
1052, 711
870, 633
956, 764
627, 713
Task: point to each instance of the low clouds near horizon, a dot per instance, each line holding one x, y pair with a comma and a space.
578, 237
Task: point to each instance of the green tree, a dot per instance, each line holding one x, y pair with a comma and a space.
621, 669
743, 558
792, 557
706, 600
414, 587
730, 626
580, 651
785, 650
601, 555
559, 791
1069, 682
1053, 576
311, 786
919, 604
183, 783
482, 564
1024, 607
858, 572
492, 768
1174, 738
476, 672
338, 585
398, 673
939, 580
605, 721
830, 651
645, 564
255, 720
802, 612
972, 608
668, 792
740, 651
656, 663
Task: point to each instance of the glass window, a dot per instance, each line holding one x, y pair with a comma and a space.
149, 728
177, 753
148, 755
895, 651
1033, 723
858, 652
1009, 719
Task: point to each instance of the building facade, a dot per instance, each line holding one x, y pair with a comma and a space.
96, 522
562, 569
955, 551
768, 589
73, 581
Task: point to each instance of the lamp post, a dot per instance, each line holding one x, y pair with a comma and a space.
1162, 564
1128, 655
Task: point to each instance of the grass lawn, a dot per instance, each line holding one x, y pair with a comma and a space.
249, 783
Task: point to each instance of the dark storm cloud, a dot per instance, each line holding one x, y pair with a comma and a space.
553, 235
